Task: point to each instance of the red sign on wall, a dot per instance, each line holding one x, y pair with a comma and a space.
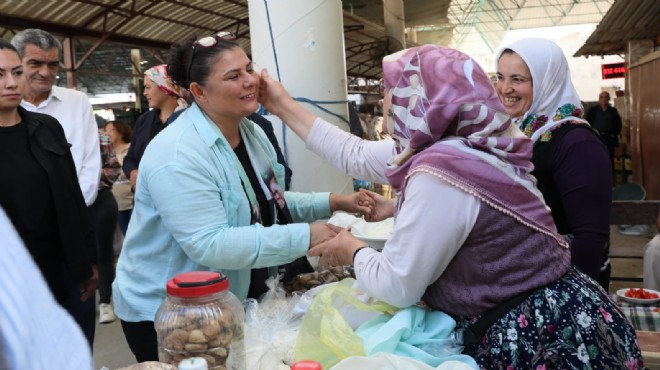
613, 70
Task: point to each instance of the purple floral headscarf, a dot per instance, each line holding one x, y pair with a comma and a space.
449, 122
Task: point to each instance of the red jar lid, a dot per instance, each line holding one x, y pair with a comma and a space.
197, 284
306, 365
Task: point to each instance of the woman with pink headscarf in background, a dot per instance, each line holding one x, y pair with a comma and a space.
164, 98
472, 236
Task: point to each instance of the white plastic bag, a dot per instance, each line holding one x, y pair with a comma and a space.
271, 328
388, 361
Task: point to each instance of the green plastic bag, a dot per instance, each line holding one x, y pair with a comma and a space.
325, 336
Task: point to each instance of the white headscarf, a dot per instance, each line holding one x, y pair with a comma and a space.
551, 79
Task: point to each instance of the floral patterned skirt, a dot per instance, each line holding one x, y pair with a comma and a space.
570, 324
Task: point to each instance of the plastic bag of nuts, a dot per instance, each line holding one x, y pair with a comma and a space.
201, 318
305, 282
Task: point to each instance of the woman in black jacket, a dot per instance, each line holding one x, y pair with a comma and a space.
39, 190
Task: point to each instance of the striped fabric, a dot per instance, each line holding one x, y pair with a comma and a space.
642, 317
35, 332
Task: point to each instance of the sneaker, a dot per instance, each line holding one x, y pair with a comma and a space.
636, 230
106, 313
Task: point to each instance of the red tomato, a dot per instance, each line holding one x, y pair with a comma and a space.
640, 294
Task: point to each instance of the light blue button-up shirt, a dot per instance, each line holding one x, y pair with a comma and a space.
191, 213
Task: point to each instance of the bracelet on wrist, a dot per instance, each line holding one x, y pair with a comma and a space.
357, 250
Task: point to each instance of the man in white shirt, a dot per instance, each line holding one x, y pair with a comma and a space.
35, 332
40, 52
652, 261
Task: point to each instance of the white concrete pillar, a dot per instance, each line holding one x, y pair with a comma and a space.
136, 62
394, 17
301, 42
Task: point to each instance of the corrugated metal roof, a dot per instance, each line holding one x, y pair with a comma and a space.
626, 20
473, 26
155, 25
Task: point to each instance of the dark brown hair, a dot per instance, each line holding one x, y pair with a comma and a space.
6, 45
123, 129
202, 61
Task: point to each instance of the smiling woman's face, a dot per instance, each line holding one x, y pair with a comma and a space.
514, 84
231, 88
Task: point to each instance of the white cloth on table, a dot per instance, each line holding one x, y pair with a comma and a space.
400, 274
74, 112
35, 332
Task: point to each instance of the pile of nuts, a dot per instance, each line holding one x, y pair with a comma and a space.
211, 332
304, 282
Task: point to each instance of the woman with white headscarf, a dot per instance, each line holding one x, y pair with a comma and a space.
472, 236
571, 163
164, 98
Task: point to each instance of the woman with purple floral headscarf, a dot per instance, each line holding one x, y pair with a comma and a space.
472, 235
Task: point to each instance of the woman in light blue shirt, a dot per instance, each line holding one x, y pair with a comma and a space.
202, 200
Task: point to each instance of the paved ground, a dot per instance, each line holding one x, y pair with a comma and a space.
111, 350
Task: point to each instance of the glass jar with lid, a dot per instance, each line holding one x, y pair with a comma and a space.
201, 318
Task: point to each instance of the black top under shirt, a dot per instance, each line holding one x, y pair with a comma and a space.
267, 207
264, 207
156, 127
27, 200
259, 275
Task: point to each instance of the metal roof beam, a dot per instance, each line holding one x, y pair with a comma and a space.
105, 9
211, 11
499, 14
24, 23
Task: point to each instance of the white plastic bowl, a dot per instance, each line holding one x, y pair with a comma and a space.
622, 294
375, 234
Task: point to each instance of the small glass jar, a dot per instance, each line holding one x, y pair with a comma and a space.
201, 318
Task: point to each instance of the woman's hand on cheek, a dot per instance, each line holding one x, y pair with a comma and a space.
272, 94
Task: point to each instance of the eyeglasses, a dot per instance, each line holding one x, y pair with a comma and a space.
208, 42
